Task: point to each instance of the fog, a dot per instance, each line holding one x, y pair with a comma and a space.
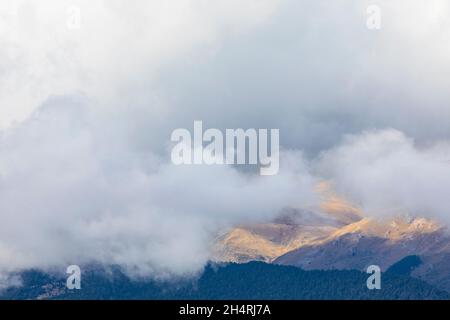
87, 110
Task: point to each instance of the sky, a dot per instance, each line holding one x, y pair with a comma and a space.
88, 103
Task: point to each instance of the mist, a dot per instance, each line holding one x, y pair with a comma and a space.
86, 114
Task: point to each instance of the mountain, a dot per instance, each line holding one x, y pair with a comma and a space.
266, 242
340, 236
254, 280
405, 266
381, 243
291, 230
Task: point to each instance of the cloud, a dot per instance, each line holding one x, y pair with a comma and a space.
387, 174
316, 72
235, 64
69, 195
115, 55
86, 116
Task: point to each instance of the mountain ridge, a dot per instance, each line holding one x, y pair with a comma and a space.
342, 237
254, 280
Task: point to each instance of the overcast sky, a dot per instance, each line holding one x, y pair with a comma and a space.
86, 115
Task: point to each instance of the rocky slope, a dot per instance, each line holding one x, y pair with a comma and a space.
292, 230
340, 237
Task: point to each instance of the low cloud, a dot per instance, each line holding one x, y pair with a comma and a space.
387, 174
86, 116
70, 195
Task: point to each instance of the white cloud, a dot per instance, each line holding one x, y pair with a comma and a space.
69, 195
118, 45
388, 174
84, 173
